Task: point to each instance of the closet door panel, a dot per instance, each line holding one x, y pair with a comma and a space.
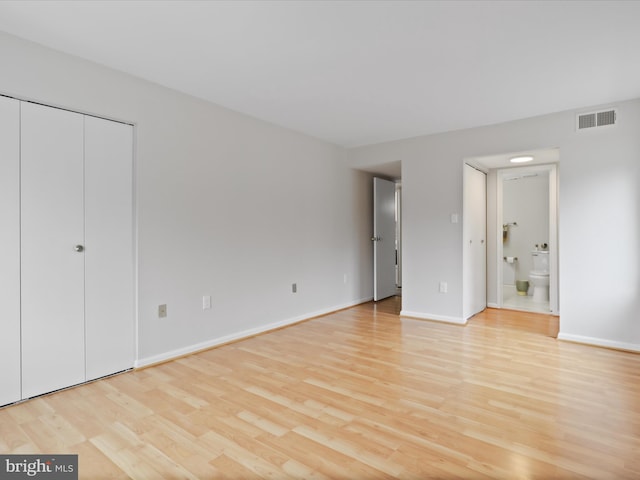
52, 270
109, 290
9, 250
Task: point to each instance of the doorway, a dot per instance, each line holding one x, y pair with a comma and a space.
527, 249
386, 238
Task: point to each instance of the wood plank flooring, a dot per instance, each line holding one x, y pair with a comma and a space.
358, 394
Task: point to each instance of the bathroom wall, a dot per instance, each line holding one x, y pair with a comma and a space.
525, 201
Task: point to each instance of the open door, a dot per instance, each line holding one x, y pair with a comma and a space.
474, 233
384, 239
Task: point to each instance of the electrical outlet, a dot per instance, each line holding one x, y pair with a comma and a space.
443, 287
206, 302
294, 288
162, 311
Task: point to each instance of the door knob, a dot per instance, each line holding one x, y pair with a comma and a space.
78, 248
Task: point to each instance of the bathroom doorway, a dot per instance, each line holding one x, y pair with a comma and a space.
527, 252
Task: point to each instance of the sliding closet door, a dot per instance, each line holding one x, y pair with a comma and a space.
10, 250
109, 241
52, 259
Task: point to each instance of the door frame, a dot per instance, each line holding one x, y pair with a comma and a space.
378, 293
399, 234
552, 169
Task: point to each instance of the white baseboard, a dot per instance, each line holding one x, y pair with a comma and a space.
599, 342
163, 357
493, 305
430, 316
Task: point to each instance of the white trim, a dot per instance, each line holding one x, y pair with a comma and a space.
599, 342
431, 316
499, 240
163, 357
554, 241
46, 103
493, 305
135, 230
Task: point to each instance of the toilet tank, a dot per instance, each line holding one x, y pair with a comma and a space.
540, 261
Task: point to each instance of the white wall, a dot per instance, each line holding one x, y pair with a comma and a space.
492, 239
226, 205
9, 251
600, 233
599, 213
525, 201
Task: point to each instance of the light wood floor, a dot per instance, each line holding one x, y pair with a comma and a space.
357, 394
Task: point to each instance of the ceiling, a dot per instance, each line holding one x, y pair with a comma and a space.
358, 72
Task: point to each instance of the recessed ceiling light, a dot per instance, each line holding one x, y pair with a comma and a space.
525, 159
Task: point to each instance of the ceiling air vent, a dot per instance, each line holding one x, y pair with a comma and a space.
596, 119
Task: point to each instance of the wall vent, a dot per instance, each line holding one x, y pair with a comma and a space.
589, 120
606, 118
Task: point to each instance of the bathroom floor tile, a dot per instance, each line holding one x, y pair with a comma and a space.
511, 299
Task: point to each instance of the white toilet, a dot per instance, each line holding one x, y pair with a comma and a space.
539, 276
